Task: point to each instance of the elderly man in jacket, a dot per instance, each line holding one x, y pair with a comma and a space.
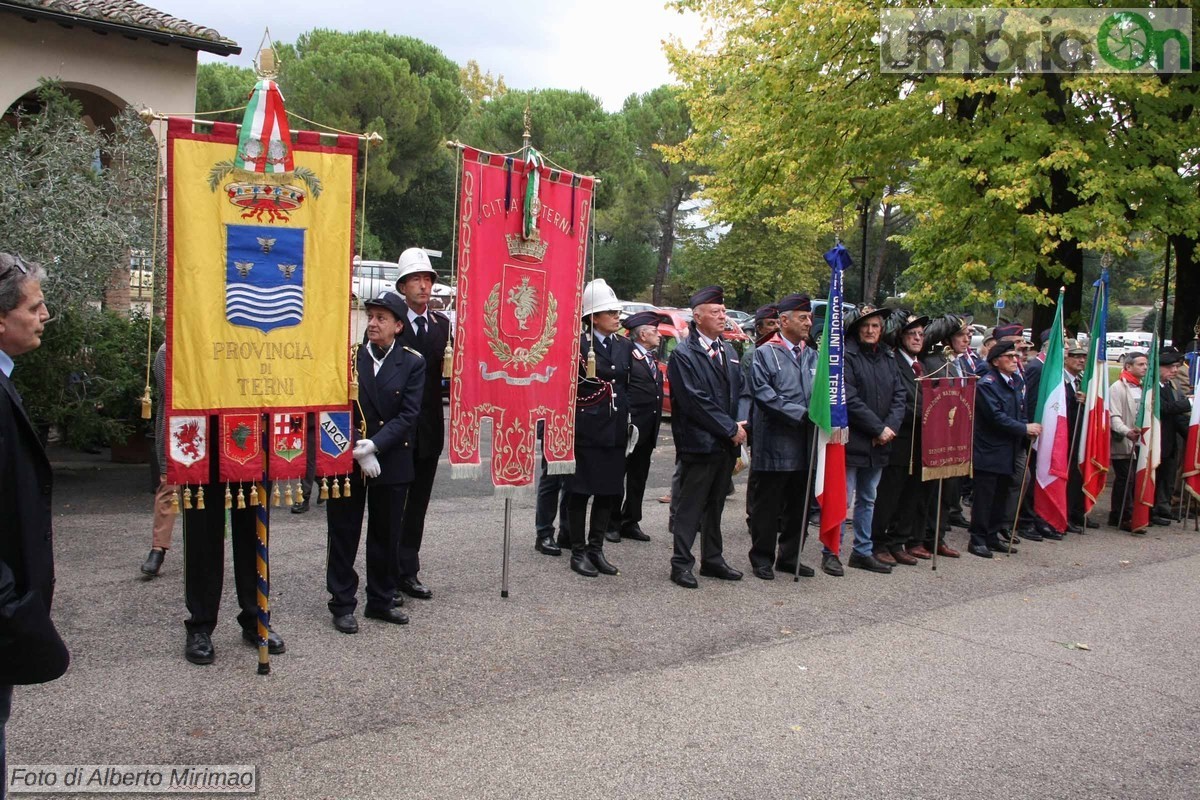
1124, 397
1175, 411
780, 387
708, 428
1000, 434
875, 402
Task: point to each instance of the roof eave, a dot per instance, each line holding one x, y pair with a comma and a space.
162, 37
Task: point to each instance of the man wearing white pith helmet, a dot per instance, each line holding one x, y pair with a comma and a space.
427, 332
601, 428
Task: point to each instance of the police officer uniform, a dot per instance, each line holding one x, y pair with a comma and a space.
999, 436
645, 410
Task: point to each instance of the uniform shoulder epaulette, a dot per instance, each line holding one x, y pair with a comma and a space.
638, 354
414, 352
441, 314
989, 378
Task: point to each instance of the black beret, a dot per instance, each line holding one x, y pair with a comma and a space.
1008, 329
765, 313
1000, 349
392, 302
795, 302
1169, 356
641, 318
709, 294
1044, 336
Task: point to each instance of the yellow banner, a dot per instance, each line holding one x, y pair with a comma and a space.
259, 283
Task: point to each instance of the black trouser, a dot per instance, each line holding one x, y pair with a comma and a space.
602, 507
899, 519
413, 528
928, 535
637, 470
1074, 492
204, 558
704, 481
777, 518
553, 496
384, 525
6, 693
1122, 492
989, 511
1164, 484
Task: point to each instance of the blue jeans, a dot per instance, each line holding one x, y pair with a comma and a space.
861, 484
5, 709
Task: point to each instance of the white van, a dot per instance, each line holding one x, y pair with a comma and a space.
373, 278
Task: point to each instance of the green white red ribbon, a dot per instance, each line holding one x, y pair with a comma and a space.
533, 181
265, 143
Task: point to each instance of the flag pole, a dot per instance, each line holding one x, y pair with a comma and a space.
808, 483
262, 526
937, 528
1020, 498
504, 560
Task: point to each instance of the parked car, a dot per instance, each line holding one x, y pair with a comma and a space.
373, 278
818, 312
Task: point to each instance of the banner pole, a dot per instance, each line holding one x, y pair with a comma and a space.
1020, 498
808, 484
504, 560
1125, 489
262, 525
937, 528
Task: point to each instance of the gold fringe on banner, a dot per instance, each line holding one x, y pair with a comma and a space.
947, 471
228, 498
337, 489
346, 487
200, 499
254, 494
325, 488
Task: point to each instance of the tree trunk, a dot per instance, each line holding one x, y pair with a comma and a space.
666, 246
876, 274
1187, 291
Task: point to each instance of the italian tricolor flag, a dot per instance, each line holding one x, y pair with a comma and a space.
265, 140
1054, 444
827, 410
1095, 449
1149, 453
1191, 453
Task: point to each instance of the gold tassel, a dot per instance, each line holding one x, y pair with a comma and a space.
353, 393
448, 361
346, 487
287, 495
200, 499
299, 493
175, 502
241, 498
275, 495
337, 491
187, 498
325, 488
254, 494
591, 364
147, 403
228, 498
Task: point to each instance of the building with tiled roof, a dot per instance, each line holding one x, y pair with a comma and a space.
107, 53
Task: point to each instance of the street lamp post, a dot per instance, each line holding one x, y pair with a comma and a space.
859, 184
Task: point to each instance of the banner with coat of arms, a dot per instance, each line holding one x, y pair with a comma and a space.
522, 245
947, 426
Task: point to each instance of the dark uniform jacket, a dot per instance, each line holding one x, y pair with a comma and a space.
1176, 411
431, 427
30, 650
875, 399
902, 445
602, 414
999, 423
390, 403
705, 397
645, 395
780, 388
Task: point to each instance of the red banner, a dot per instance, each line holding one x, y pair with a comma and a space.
335, 442
947, 426
187, 449
240, 448
521, 256
287, 456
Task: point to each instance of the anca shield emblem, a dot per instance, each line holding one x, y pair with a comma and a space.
264, 276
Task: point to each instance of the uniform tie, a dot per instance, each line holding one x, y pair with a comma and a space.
796, 351
716, 354
421, 329
917, 369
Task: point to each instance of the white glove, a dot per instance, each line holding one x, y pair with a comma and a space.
364, 447
369, 465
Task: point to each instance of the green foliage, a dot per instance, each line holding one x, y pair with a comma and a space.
56, 207
89, 375
1117, 319
627, 265
222, 86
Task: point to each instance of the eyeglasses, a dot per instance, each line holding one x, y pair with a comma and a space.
18, 263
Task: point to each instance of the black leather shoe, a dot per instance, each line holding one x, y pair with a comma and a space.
153, 562
684, 578
199, 648
547, 546
275, 644
346, 623
601, 563
959, 521
1053, 536
979, 550
414, 588
301, 507
790, 569
1030, 534
1073, 528
1001, 547
722, 571
582, 564
1157, 520
392, 615
765, 573
831, 566
635, 532
869, 563
612, 536
1091, 523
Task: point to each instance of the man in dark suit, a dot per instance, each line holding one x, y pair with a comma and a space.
1073, 365
1000, 435
708, 428
391, 378
1175, 412
30, 649
427, 331
645, 411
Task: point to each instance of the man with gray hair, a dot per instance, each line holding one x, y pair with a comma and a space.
30, 648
